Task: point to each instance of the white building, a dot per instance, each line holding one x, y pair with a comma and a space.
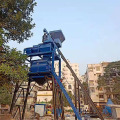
68, 79
93, 72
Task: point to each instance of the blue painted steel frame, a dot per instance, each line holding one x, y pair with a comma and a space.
66, 95
54, 57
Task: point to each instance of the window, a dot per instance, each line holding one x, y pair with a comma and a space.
63, 69
104, 68
92, 89
108, 96
90, 70
101, 96
69, 87
75, 70
91, 82
98, 68
98, 74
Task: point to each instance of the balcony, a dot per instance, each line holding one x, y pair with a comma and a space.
101, 99
101, 91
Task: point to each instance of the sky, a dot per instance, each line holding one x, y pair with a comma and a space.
91, 29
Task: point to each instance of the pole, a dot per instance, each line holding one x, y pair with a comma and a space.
25, 102
79, 98
13, 99
75, 97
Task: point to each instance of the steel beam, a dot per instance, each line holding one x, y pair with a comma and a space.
25, 102
14, 97
66, 95
79, 99
75, 97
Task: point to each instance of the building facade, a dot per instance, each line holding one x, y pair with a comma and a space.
92, 74
68, 79
44, 96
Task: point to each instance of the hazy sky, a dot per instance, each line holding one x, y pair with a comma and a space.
91, 29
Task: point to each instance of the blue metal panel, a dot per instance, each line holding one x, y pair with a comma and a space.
35, 49
28, 50
45, 47
39, 49
40, 66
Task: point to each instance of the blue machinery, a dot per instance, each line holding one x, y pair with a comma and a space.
42, 68
47, 51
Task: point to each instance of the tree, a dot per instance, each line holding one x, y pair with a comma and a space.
5, 94
15, 21
110, 81
85, 85
15, 24
66, 103
12, 70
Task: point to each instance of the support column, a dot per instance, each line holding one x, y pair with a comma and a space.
75, 97
14, 97
79, 99
61, 103
54, 98
25, 102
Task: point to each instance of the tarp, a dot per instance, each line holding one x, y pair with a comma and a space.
107, 109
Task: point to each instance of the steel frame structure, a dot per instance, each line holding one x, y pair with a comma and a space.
49, 52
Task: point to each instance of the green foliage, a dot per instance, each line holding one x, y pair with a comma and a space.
110, 80
13, 65
66, 103
15, 24
12, 70
5, 94
85, 85
15, 21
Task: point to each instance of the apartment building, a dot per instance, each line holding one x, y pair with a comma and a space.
68, 79
93, 72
